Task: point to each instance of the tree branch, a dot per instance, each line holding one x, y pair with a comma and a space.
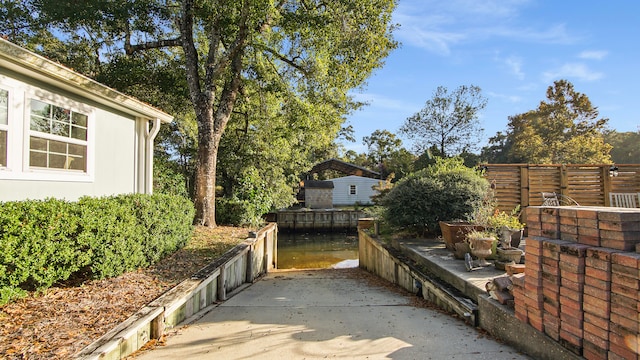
131, 49
290, 62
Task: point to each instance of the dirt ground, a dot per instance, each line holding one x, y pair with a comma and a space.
63, 320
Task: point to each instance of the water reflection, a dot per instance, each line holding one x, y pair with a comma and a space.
318, 250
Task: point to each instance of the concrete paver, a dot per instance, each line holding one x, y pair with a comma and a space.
326, 314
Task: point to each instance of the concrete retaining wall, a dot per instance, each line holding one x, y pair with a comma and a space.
379, 260
318, 220
237, 268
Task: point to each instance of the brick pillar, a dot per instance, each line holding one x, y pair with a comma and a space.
624, 330
572, 272
597, 303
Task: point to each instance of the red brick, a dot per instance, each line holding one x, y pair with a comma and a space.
597, 340
534, 230
595, 331
536, 322
600, 320
571, 328
568, 235
534, 242
613, 356
532, 289
532, 304
622, 226
625, 291
604, 265
622, 334
567, 294
571, 285
596, 305
587, 224
552, 332
571, 342
579, 278
550, 280
576, 250
550, 269
566, 320
623, 245
570, 266
620, 278
631, 260
551, 310
571, 308
622, 321
586, 214
619, 216
620, 346
593, 352
597, 274
551, 248
591, 240
600, 253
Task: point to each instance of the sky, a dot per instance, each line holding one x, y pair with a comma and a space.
513, 50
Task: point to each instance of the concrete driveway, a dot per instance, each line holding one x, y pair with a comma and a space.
320, 314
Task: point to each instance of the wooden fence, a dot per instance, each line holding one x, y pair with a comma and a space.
523, 184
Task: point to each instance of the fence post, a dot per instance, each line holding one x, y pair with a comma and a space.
524, 185
606, 181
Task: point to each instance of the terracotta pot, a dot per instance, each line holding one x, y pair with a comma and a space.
461, 249
456, 231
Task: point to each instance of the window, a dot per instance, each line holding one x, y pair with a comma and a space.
4, 126
58, 138
352, 189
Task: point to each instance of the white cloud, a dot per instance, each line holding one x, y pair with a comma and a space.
437, 26
515, 65
593, 55
572, 70
384, 103
507, 98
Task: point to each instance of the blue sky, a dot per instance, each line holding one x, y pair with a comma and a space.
513, 50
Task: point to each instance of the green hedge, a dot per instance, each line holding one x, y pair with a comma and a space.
43, 242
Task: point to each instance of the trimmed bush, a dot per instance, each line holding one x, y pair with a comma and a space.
44, 242
444, 191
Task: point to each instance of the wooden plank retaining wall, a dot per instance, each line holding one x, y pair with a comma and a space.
589, 185
239, 266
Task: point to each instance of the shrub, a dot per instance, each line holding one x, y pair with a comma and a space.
47, 241
446, 190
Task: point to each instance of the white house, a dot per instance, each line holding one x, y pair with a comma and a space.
64, 135
353, 189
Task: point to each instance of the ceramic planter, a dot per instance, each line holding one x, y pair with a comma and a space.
456, 231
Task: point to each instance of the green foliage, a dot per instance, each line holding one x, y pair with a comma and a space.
444, 191
46, 242
448, 121
626, 147
564, 129
280, 72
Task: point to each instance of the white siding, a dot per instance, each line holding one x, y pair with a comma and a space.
342, 194
112, 155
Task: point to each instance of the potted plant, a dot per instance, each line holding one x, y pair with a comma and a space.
507, 227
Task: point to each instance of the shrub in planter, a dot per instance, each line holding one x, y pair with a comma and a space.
446, 190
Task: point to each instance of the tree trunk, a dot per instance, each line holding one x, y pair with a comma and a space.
205, 181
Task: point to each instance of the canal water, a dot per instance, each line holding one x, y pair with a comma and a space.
317, 250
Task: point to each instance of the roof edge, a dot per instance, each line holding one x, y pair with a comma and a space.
24, 61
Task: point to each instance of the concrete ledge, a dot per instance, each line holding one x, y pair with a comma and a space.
501, 322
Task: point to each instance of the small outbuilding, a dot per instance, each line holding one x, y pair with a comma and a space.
65, 135
318, 194
352, 190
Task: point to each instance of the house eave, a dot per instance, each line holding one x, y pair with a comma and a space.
30, 64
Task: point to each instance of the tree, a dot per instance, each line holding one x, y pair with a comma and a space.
448, 121
306, 54
625, 146
565, 129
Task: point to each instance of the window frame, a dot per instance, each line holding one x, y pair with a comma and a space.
353, 189
6, 127
19, 134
